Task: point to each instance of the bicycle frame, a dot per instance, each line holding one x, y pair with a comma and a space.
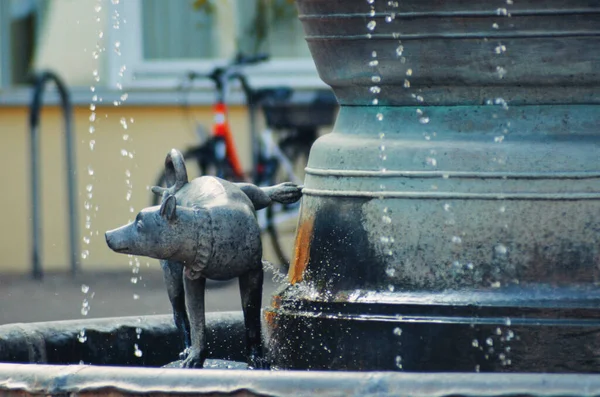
222, 130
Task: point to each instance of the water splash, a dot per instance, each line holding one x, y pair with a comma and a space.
136, 351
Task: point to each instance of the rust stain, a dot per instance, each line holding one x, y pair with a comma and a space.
276, 302
304, 238
270, 317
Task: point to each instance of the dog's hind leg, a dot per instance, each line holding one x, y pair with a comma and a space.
262, 197
251, 292
173, 275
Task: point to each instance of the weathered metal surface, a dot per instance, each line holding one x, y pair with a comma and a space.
451, 48
457, 198
30, 380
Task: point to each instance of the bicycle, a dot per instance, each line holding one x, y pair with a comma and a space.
273, 160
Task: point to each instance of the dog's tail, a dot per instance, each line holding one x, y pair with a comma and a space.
175, 174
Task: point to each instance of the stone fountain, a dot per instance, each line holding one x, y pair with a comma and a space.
450, 222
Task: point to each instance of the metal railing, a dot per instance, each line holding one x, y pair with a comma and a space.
39, 83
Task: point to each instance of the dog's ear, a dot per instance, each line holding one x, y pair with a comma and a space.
168, 208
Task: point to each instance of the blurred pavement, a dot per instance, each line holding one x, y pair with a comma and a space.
60, 297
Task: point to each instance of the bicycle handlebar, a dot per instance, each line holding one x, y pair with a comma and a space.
220, 75
242, 59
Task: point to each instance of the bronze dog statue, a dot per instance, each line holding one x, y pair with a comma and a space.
204, 229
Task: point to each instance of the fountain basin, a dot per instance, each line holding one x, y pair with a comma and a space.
42, 358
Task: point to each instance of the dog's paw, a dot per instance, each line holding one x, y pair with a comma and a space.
256, 360
195, 359
286, 193
183, 355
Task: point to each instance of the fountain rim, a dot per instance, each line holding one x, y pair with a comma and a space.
32, 379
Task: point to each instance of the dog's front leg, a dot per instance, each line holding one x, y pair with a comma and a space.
173, 274
194, 302
251, 291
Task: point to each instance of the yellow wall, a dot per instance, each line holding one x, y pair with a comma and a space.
153, 132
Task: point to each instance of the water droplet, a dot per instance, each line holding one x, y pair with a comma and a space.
97, 7
124, 153
409, 72
507, 322
495, 25
93, 117
456, 240
431, 161
85, 288
134, 280
500, 71
397, 331
89, 187
406, 83
501, 249
399, 362
502, 11
424, 120
446, 207
86, 240
489, 342
386, 219
475, 343
399, 50
128, 195
500, 49
136, 297
390, 17
375, 89
499, 139
375, 79
124, 97
123, 122
81, 336
92, 143
137, 352
375, 101
379, 116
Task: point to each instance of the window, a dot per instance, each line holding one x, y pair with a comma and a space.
20, 22
160, 40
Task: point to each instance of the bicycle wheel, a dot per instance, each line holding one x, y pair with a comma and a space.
282, 219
